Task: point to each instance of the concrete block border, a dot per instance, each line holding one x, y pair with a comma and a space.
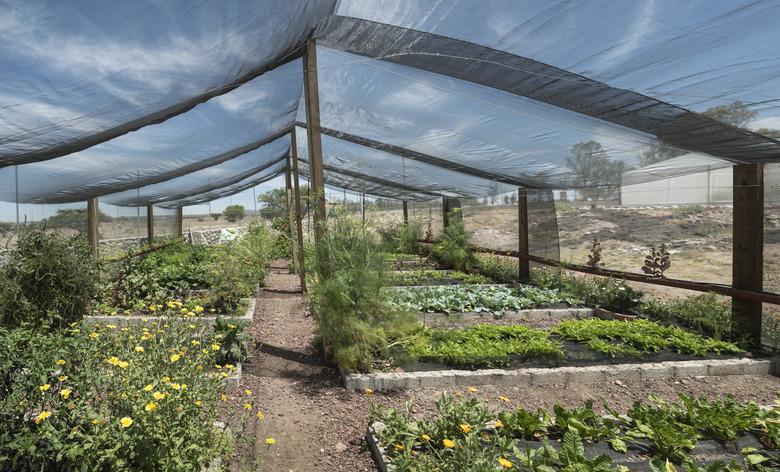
208, 320
378, 452
233, 381
535, 314
382, 381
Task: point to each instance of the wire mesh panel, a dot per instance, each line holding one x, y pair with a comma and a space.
120, 228
429, 214
492, 221
771, 321
165, 222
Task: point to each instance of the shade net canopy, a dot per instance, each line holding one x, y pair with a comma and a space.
77, 73
171, 103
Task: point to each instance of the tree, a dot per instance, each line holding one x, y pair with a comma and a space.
275, 202
769, 132
593, 169
234, 213
735, 114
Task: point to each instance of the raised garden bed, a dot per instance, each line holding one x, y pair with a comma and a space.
701, 432
245, 313
476, 298
575, 351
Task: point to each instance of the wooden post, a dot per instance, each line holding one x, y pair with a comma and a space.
406, 212
363, 205
150, 223
311, 94
180, 222
92, 226
298, 222
448, 206
524, 269
290, 210
748, 252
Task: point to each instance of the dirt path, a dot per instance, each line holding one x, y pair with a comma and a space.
320, 426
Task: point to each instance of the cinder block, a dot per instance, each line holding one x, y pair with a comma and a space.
690, 369
587, 375
725, 367
625, 372
656, 371
548, 377
758, 367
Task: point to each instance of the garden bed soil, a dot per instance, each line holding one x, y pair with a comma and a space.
321, 426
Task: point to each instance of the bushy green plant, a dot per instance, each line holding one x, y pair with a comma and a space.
103, 398
234, 342
426, 276
706, 313
234, 213
498, 268
453, 250
463, 298
636, 337
47, 279
353, 318
483, 345
613, 294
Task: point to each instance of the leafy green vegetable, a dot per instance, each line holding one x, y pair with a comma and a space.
641, 336
458, 298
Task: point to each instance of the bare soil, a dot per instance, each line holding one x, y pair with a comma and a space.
320, 426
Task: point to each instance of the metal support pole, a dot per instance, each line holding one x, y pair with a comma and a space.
748, 252
298, 222
524, 269
363, 205
406, 212
16, 190
150, 223
315, 145
92, 225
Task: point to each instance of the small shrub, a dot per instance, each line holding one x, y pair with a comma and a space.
613, 294
657, 262
706, 313
47, 279
353, 318
453, 247
498, 268
594, 258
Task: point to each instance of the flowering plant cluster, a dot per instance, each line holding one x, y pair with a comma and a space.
103, 397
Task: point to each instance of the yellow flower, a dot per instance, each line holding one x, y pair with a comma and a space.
175, 357
123, 364
270, 441
503, 399
499, 424
166, 378
260, 415
448, 443
42, 416
146, 337
248, 392
198, 402
110, 326
61, 362
126, 422
215, 347
65, 393
231, 326
94, 335
505, 463
151, 406
399, 447
62, 378
198, 309
195, 342
148, 388
224, 397
184, 386
465, 428
175, 386
472, 389
247, 406
139, 349
98, 421
426, 438
369, 391
44, 387
158, 395
192, 326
